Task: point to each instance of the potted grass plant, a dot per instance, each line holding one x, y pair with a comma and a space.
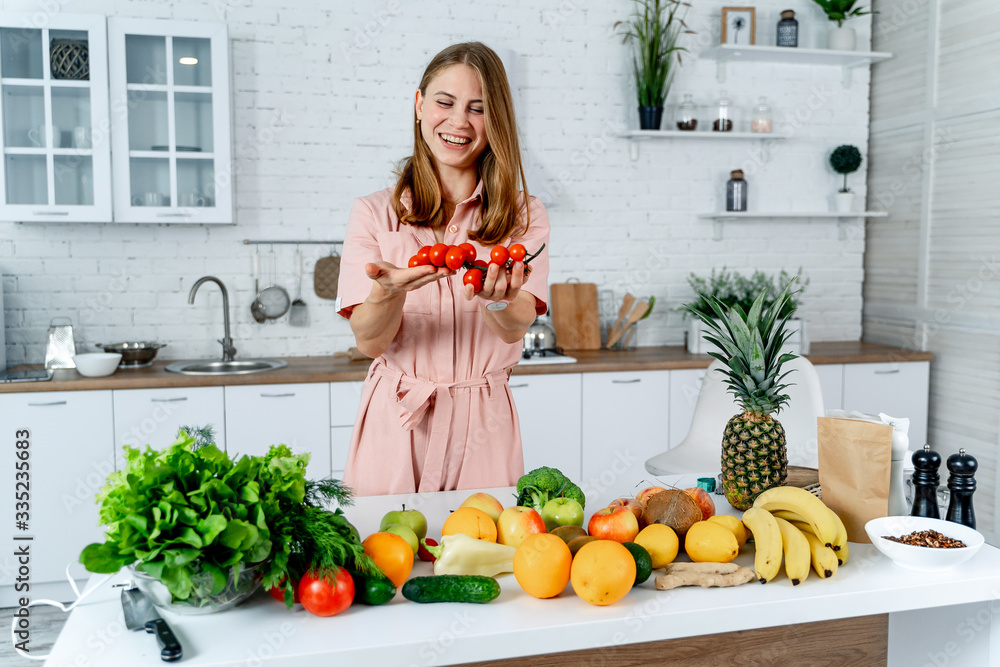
841, 37
738, 291
845, 160
654, 31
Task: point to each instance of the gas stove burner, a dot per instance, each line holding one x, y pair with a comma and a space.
549, 352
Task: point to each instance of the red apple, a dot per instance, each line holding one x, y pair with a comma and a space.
630, 503
614, 523
646, 493
516, 523
486, 503
705, 502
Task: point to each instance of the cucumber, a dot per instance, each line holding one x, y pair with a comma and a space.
451, 588
372, 589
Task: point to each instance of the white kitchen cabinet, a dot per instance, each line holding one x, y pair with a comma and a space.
172, 145
548, 409
298, 415
685, 384
345, 397
152, 416
831, 380
70, 453
56, 162
897, 389
625, 421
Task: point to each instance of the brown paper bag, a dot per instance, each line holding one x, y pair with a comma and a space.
855, 458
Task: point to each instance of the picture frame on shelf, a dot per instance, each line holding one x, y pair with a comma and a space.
739, 25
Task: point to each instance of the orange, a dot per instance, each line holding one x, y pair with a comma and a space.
473, 522
602, 572
661, 542
542, 564
392, 554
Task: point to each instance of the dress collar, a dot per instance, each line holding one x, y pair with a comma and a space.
406, 197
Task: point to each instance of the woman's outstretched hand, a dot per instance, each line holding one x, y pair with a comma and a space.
498, 285
394, 280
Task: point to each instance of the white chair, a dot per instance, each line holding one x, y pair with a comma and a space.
701, 450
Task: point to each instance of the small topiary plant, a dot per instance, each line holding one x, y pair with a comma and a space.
845, 160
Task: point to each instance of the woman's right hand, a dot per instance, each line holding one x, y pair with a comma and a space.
393, 281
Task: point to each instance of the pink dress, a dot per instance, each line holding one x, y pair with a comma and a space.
436, 413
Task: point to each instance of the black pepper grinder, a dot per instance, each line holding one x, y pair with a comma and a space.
925, 483
962, 484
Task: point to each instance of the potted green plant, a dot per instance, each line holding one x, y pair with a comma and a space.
654, 31
845, 160
840, 37
735, 290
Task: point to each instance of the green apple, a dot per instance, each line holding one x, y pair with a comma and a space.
416, 521
406, 533
562, 512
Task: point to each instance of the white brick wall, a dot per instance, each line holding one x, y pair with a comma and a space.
322, 105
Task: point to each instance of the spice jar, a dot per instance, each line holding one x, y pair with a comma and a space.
788, 29
723, 115
685, 115
761, 117
736, 191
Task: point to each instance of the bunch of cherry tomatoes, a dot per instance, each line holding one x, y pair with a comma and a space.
456, 257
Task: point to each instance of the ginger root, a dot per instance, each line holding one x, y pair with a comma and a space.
710, 576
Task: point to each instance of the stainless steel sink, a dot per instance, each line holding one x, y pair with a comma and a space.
234, 367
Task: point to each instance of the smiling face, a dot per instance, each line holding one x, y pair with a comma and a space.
452, 119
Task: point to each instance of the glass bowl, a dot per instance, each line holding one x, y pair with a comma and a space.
243, 582
924, 559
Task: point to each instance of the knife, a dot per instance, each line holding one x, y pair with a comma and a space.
140, 613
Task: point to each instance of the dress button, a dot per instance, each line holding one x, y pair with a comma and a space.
453, 229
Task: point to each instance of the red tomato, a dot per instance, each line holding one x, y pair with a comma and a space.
423, 553
424, 255
455, 258
470, 251
414, 261
499, 255
323, 598
279, 592
480, 264
517, 252
473, 277
437, 254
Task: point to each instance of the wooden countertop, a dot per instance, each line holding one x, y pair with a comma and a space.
329, 369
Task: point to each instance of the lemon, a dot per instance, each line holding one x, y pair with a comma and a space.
661, 542
710, 542
733, 524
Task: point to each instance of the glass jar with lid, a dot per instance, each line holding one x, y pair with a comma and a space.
788, 29
761, 117
736, 191
685, 117
723, 121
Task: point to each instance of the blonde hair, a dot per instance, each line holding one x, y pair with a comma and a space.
500, 166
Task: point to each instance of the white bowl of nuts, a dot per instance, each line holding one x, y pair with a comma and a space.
920, 543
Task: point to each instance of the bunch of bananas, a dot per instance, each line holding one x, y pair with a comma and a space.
790, 522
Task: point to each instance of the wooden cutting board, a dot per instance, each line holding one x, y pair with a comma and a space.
575, 316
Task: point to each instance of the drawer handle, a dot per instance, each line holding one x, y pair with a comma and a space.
632, 381
169, 400
891, 372
518, 386
288, 395
39, 405
173, 215
50, 213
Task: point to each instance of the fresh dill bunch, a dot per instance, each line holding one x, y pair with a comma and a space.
203, 435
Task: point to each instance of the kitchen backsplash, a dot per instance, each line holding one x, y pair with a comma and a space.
322, 111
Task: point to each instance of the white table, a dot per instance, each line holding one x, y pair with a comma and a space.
940, 618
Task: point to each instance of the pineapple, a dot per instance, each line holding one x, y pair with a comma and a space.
753, 445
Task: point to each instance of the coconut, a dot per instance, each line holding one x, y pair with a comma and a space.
672, 508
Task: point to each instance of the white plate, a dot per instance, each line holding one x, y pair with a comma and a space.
925, 559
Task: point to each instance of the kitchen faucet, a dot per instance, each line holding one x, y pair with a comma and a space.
228, 351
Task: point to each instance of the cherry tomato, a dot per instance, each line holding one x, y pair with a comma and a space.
424, 255
437, 254
415, 261
473, 277
322, 598
517, 252
470, 251
480, 264
279, 592
499, 255
455, 258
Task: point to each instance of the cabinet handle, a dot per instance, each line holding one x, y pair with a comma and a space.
39, 405
521, 385
173, 215
288, 395
890, 372
50, 213
168, 400
632, 381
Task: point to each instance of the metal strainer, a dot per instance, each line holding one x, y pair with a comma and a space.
274, 298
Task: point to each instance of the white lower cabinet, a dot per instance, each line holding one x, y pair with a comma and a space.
68, 437
298, 415
153, 416
625, 421
897, 389
831, 380
345, 397
548, 409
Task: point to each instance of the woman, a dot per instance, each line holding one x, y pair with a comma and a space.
436, 412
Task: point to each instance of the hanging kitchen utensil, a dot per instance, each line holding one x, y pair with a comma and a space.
61, 347
326, 276
140, 614
257, 308
298, 314
274, 297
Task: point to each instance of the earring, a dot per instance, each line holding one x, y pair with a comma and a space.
418, 121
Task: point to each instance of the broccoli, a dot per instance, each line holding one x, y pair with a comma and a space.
537, 487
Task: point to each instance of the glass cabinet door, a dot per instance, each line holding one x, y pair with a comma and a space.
56, 163
172, 78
